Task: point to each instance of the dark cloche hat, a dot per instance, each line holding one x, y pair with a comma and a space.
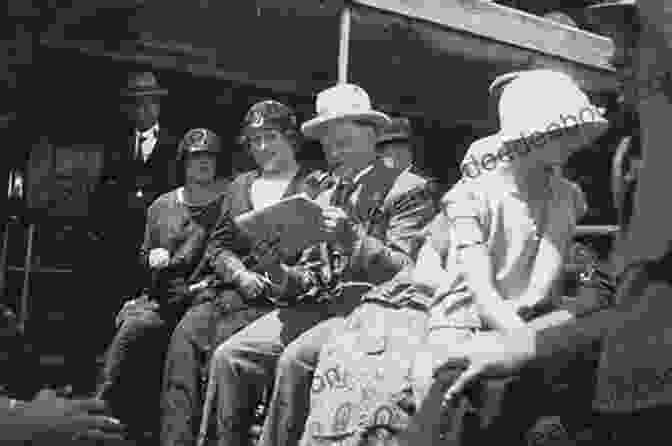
269, 114
199, 140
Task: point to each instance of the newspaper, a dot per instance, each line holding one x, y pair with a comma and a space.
282, 230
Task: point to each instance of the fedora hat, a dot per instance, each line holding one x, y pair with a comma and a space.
342, 102
143, 84
399, 129
539, 102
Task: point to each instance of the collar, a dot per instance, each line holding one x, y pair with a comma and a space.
363, 172
151, 132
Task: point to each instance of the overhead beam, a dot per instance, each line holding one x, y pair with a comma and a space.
511, 26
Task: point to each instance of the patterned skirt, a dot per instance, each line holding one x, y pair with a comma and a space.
364, 376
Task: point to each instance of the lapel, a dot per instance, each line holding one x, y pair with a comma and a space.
372, 190
158, 151
296, 186
130, 147
161, 151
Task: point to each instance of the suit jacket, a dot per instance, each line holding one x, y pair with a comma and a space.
118, 214
154, 177
117, 199
392, 207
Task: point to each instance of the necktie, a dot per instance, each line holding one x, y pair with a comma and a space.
344, 188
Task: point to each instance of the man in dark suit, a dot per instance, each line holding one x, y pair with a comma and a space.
396, 144
136, 171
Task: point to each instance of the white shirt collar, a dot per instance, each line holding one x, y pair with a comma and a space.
151, 132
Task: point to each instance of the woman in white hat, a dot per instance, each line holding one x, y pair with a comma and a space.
510, 222
637, 330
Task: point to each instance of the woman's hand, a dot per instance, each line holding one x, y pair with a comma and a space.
488, 354
159, 258
250, 284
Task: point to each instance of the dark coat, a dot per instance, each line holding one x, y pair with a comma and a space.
118, 211
393, 208
154, 177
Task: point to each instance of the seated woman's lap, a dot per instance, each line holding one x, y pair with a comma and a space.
362, 377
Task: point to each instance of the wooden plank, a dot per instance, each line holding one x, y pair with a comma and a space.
500, 23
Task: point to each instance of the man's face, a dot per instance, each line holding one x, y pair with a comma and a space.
144, 112
348, 146
400, 152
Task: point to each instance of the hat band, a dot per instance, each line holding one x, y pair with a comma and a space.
144, 90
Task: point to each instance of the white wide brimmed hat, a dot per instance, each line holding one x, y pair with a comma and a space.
343, 101
539, 102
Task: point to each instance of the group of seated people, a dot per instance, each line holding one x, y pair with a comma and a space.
339, 341
410, 325
331, 335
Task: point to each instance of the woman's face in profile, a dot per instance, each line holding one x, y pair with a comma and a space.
271, 150
200, 167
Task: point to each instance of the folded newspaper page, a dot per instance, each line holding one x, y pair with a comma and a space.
282, 230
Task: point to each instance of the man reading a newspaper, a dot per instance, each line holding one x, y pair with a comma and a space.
373, 214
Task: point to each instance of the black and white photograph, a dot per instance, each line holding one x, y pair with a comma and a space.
335, 222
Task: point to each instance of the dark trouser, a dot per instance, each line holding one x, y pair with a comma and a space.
201, 329
245, 364
133, 368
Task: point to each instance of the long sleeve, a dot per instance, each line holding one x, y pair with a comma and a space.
646, 301
577, 334
380, 258
225, 246
147, 242
649, 229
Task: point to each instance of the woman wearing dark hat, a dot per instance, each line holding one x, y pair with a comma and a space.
177, 223
270, 134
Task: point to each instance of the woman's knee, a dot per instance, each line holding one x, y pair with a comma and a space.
301, 357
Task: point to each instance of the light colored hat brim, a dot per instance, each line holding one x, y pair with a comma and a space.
314, 128
581, 134
141, 93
